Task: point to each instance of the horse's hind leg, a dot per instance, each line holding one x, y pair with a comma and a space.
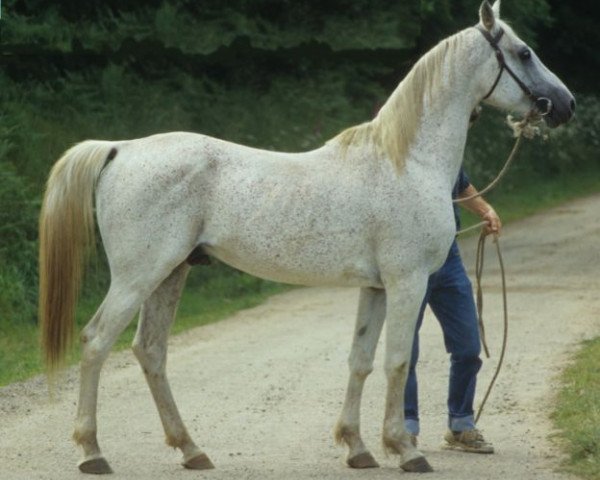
371, 314
150, 348
115, 313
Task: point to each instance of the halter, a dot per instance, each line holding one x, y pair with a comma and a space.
543, 105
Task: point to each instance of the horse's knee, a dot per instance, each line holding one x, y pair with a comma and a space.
397, 365
360, 371
360, 364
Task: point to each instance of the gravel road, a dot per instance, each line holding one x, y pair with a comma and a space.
261, 391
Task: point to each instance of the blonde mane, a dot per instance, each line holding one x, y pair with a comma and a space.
394, 128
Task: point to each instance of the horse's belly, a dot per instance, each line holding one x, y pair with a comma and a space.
300, 262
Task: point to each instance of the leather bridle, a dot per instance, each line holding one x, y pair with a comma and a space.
542, 105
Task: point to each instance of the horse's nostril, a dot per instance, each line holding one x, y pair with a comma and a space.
572, 105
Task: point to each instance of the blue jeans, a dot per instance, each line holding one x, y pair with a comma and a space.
450, 296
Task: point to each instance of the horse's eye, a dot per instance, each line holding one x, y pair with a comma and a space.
525, 54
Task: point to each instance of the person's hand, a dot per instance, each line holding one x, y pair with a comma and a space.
494, 225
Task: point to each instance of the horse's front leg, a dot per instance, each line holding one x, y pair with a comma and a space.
371, 314
403, 302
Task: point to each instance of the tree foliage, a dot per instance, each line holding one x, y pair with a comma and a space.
194, 27
203, 27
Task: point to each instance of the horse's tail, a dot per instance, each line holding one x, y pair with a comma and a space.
67, 233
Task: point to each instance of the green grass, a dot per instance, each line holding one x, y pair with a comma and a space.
216, 299
577, 412
19, 353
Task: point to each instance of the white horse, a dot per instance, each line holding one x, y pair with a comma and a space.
370, 209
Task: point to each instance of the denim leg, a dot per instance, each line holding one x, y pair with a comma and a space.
411, 394
452, 302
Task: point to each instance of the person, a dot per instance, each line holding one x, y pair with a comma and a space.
450, 296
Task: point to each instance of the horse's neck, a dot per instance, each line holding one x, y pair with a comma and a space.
440, 140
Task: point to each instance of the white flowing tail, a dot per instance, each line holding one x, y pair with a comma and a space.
67, 233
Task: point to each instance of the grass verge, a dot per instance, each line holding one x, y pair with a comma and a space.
20, 355
577, 412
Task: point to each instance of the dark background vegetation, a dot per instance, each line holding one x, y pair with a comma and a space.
283, 75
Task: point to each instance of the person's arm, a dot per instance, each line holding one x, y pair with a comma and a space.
482, 209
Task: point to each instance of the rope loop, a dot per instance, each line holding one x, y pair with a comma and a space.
479, 275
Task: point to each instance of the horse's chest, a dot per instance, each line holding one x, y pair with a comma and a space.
417, 234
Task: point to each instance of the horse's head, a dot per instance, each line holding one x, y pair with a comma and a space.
515, 78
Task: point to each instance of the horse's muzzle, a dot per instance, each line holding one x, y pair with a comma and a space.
560, 110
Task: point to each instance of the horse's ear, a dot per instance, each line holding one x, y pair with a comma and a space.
496, 9
486, 14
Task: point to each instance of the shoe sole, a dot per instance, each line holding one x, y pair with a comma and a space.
466, 448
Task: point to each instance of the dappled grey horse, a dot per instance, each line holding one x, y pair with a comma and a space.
370, 209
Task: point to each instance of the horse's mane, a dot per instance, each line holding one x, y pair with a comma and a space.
395, 126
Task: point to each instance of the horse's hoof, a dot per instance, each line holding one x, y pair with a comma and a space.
362, 460
418, 465
199, 462
96, 466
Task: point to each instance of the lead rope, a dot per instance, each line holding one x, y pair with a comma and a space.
479, 256
524, 128
479, 272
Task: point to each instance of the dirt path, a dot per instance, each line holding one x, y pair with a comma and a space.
261, 391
